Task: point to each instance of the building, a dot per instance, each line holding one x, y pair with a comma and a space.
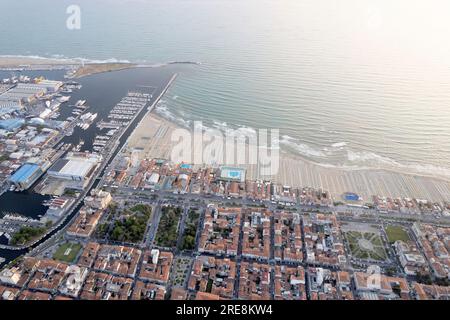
26, 176
57, 207
323, 240
148, 291
289, 283
153, 179
254, 281
7, 293
221, 228
288, 243
410, 257
74, 282
434, 242
103, 286
23, 93
10, 276
48, 276
380, 287
75, 167
256, 234
326, 284
50, 85
8, 107
119, 260
11, 124
156, 265
232, 174
98, 199
89, 254
430, 292
178, 294
215, 276
34, 295
85, 223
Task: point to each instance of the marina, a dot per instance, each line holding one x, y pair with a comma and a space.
83, 140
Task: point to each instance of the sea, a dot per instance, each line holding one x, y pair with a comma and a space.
349, 84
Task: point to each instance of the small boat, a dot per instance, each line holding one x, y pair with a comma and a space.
64, 99
80, 103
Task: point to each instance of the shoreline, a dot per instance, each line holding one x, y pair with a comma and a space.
152, 137
356, 169
78, 68
294, 170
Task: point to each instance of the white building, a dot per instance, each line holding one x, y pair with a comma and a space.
410, 257
10, 276
50, 85
98, 199
153, 179
76, 167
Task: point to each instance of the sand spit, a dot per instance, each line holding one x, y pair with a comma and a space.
79, 68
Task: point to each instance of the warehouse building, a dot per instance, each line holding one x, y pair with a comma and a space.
23, 92
50, 85
75, 167
11, 124
26, 176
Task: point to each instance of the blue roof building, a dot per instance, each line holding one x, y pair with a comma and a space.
26, 175
11, 124
350, 196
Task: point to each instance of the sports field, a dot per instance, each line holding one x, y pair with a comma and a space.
67, 252
395, 233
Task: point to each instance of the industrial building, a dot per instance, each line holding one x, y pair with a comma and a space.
26, 175
23, 92
50, 85
11, 124
8, 107
75, 167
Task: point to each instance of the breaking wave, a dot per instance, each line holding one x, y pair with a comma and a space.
162, 110
64, 59
338, 155
301, 148
373, 160
339, 144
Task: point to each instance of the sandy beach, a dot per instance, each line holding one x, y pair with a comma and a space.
152, 139
89, 69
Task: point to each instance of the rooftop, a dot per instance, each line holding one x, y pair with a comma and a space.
25, 172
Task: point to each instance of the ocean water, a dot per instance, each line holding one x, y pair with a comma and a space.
355, 84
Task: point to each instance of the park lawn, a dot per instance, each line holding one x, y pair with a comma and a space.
395, 233
190, 230
167, 233
64, 254
377, 253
